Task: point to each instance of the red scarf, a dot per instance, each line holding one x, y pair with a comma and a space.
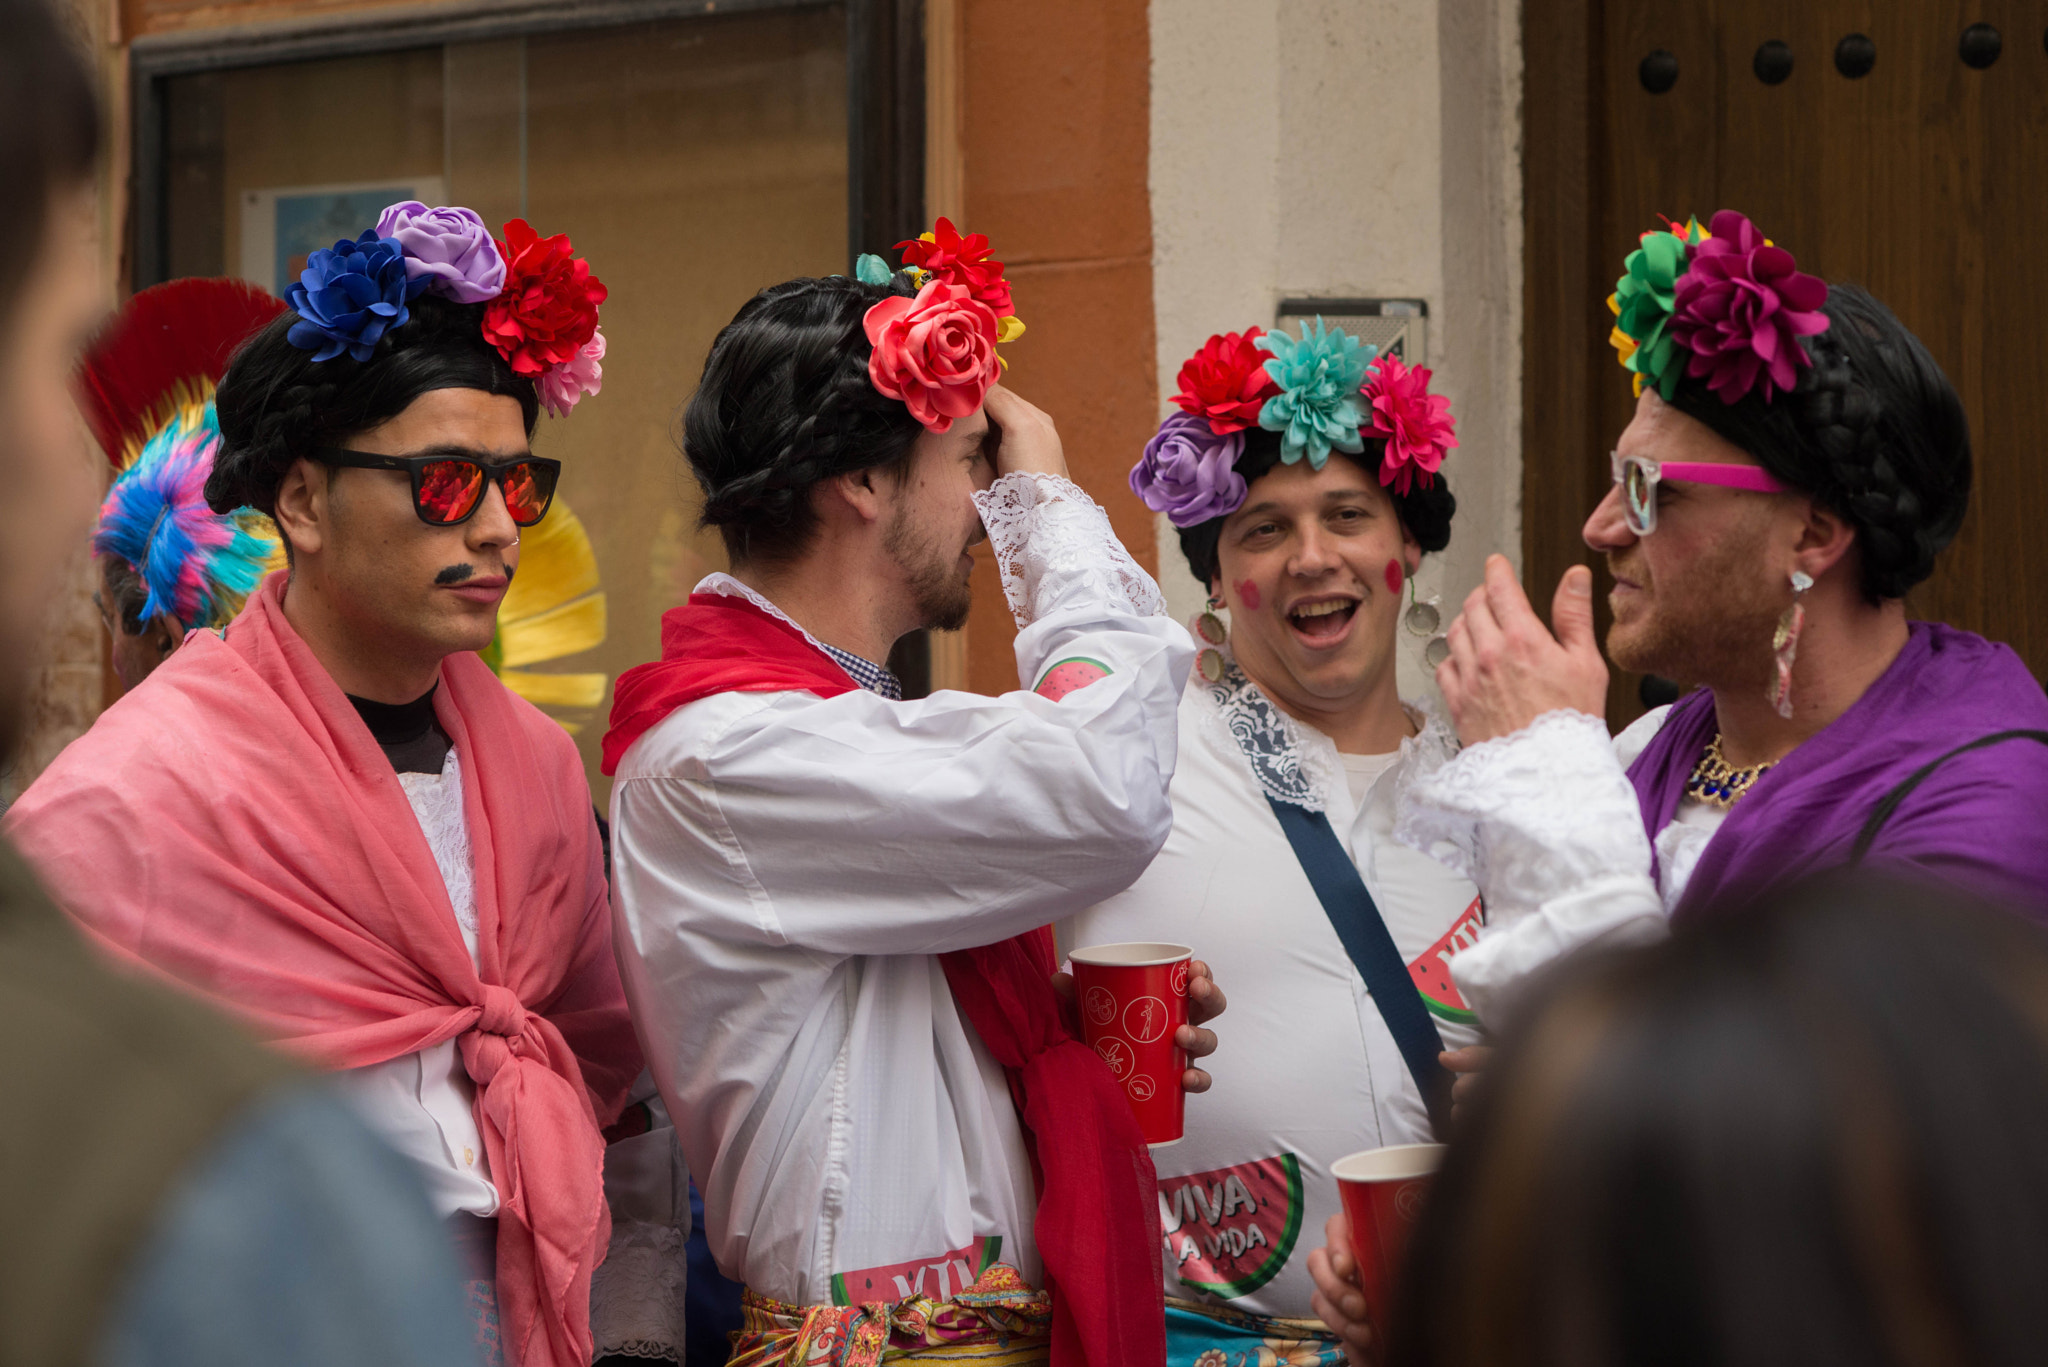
1096, 1227
232, 826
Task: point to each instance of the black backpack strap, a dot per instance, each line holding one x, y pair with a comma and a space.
1891, 801
1370, 945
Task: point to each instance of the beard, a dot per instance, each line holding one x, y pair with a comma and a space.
1711, 625
941, 594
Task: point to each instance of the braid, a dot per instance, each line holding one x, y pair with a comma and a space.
1872, 430
786, 402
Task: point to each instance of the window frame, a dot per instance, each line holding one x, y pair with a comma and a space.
885, 91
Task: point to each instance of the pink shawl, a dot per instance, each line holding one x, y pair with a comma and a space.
231, 825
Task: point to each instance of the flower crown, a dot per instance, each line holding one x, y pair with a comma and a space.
937, 352
1724, 304
542, 314
1324, 391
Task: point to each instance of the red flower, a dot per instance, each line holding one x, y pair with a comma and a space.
548, 309
936, 353
1226, 381
1416, 424
962, 261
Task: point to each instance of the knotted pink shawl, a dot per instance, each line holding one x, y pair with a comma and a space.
232, 826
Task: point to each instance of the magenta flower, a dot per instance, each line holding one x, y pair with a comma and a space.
1740, 309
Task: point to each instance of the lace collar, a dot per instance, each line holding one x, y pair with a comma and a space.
1289, 762
1294, 763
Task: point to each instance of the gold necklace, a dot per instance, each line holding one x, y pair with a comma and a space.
1718, 783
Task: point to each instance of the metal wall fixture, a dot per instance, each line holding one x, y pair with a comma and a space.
1980, 46
1855, 55
1773, 62
1658, 72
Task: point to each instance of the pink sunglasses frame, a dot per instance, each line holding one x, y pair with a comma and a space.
1752, 478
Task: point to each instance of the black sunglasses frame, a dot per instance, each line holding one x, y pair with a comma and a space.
415, 468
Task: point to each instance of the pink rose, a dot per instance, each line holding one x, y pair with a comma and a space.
936, 353
563, 386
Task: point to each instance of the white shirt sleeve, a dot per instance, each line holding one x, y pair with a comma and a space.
1547, 824
857, 825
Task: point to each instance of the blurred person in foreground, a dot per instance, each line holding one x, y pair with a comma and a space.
1796, 462
170, 1193
331, 818
168, 564
1812, 1132
835, 903
1306, 508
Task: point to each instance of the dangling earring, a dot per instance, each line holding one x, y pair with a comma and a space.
1785, 644
1214, 634
1424, 619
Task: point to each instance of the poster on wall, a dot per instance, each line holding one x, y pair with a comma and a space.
281, 227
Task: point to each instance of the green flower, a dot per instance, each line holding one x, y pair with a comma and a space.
1644, 300
1317, 409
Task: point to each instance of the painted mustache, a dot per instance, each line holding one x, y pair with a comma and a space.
456, 574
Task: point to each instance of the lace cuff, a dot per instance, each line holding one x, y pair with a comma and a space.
1050, 539
1528, 817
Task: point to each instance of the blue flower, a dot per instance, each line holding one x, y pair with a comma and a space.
347, 297
1317, 409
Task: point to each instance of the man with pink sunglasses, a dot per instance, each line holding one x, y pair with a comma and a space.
1796, 462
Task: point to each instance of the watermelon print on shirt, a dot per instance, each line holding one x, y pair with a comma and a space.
1230, 1231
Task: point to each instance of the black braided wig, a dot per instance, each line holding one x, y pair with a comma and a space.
1425, 510
784, 403
1873, 431
276, 403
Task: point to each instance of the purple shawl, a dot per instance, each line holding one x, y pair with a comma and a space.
1980, 820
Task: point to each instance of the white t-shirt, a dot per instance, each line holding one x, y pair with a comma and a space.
1307, 1070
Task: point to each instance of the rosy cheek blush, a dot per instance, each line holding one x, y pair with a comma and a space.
1247, 594
1394, 579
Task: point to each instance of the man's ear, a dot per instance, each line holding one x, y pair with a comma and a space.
301, 507
1824, 540
165, 632
858, 491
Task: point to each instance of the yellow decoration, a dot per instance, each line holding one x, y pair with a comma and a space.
555, 608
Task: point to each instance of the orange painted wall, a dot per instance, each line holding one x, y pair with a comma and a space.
1055, 145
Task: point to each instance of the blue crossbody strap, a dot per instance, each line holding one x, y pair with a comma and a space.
1366, 939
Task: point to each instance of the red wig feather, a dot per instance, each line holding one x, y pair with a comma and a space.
167, 346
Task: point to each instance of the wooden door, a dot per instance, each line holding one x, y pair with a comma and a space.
1925, 179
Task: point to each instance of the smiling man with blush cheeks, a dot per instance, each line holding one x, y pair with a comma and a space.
1306, 509
330, 818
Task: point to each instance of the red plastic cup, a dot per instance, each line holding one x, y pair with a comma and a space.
1383, 1191
1134, 999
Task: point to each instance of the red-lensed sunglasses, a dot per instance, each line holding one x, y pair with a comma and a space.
447, 490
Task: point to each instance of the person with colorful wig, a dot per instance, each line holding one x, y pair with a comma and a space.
835, 904
168, 564
329, 817
1304, 477
1796, 463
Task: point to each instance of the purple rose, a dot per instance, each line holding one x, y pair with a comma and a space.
1187, 471
450, 246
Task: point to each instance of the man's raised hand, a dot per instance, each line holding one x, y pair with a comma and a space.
1026, 439
1506, 669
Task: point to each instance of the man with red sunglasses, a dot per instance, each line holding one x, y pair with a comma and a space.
331, 818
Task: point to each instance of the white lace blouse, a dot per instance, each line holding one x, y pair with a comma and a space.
1547, 824
788, 867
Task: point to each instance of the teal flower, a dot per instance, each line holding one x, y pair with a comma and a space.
870, 269
1317, 410
1642, 303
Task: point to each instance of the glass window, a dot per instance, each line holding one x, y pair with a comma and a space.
691, 160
